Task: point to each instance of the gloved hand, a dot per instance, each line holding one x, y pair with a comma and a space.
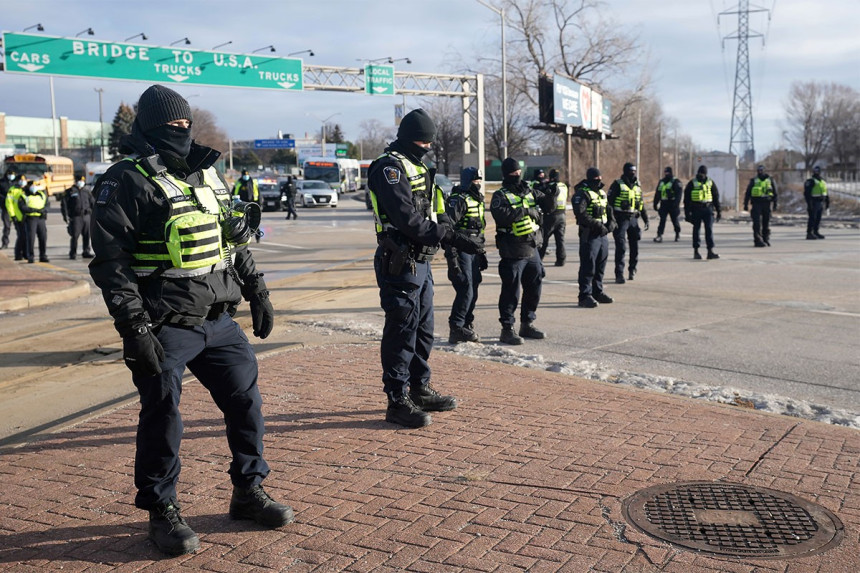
611, 226
774, 205
534, 213
646, 225
455, 272
688, 216
604, 230
719, 215
141, 350
459, 241
262, 314
483, 263
746, 206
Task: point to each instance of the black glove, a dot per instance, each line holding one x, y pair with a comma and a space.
688, 216
141, 350
459, 241
483, 263
611, 226
604, 230
719, 215
774, 205
646, 225
534, 213
262, 314
455, 272
746, 206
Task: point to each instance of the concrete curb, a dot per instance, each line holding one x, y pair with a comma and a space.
79, 289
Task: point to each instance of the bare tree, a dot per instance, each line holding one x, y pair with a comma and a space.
808, 129
374, 137
205, 130
842, 112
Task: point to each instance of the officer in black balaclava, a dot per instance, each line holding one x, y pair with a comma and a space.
667, 201
701, 201
625, 200
817, 201
172, 301
761, 191
411, 224
596, 220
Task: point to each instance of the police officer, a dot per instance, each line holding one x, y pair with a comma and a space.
465, 209
625, 200
667, 201
76, 204
13, 196
761, 190
409, 212
817, 200
539, 180
553, 225
34, 206
6, 183
701, 201
246, 188
518, 235
289, 190
596, 220
172, 261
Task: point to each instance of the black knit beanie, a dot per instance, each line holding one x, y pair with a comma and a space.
417, 126
509, 165
159, 105
592, 173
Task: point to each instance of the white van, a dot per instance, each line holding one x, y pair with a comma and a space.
94, 170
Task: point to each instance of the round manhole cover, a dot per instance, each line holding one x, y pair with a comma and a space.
733, 520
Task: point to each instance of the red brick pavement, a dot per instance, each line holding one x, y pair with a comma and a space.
528, 474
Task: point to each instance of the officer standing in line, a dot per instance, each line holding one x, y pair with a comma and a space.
13, 196
553, 206
34, 205
762, 191
625, 199
701, 199
289, 190
667, 201
518, 235
409, 213
596, 220
76, 204
246, 188
465, 209
172, 262
817, 200
6, 183
539, 180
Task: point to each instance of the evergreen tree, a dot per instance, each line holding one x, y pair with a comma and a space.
121, 126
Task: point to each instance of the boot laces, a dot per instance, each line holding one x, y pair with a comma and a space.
170, 513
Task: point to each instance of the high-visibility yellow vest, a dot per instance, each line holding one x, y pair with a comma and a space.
192, 244
433, 200
762, 188
701, 192
819, 188
12, 207
664, 187
597, 202
631, 195
525, 225
255, 192
474, 217
561, 198
37, 200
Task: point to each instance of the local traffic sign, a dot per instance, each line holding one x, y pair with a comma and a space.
50, 55
274, 144
379, 80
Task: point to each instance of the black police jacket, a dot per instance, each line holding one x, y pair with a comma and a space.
128, 208
76, 202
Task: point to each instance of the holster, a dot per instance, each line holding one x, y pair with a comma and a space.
394, 255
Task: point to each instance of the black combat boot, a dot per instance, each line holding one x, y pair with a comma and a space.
712, 255
619, 279
169, 532
87, 255
658, 239
587, 301
255, 504
696, 254
527, 330
429, 400
631, 275
462, 334
677, 235
405, 412
508, 336
818, 235
603, 298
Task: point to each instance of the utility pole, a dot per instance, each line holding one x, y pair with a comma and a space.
742, 142
101, 125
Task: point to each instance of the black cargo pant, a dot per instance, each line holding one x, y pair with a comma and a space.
554, 225
760, 214
627, 232
219, 355
670, 209
527, 273
79, 227
37, 228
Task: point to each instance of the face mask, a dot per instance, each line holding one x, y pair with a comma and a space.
702, 177
10, 177
245, 177
79, 184
176, 140
476, 184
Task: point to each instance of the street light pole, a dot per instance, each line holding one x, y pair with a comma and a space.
101, 125
501, 13
323, 121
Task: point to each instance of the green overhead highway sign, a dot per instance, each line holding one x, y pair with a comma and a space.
48, 55
379, 80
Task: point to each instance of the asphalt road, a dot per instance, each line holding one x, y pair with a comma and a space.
782, 320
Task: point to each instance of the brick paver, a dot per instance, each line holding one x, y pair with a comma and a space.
528, 474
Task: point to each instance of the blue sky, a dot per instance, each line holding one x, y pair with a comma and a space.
693, 76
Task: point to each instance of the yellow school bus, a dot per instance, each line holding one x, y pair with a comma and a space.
55, 173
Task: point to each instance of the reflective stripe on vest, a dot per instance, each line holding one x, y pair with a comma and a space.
474, 217
12, 207
596, 199
819, 188
524, 225
664, 187
37, 200
417, 176
762, 188
561, 198
701, 192
192, 244
633, 196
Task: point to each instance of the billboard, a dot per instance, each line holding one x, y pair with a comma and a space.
577, 105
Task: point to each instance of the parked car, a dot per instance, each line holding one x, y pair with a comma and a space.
270, 194
445, 183
310, 193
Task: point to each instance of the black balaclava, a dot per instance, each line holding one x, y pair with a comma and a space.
761, 172
509, 166
416, 126
553, 175
470, 177
816, 172
629, 173
702, 173
668, 175
157, 106
592, 177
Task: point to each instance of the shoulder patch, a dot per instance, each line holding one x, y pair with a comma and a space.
497, 202
106, 190
392, 174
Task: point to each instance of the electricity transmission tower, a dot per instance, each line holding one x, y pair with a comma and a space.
742, 142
